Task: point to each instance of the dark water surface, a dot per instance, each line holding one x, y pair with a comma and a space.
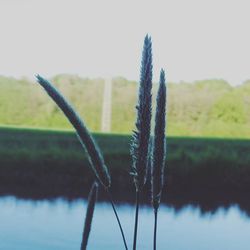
55, 225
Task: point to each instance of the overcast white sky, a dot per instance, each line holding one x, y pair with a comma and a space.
192, 39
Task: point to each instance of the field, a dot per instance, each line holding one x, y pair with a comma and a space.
44, 163
208, 108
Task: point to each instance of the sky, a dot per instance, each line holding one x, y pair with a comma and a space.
192, 39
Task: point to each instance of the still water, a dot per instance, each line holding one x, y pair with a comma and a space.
58, 224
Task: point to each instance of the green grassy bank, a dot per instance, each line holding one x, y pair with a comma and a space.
207, 108
52, 163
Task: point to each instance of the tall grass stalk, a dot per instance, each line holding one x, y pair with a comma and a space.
95, 157
89, 215
141, 136
159, 150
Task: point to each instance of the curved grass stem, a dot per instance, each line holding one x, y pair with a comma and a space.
117, 218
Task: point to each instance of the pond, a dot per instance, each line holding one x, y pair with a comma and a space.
58, 224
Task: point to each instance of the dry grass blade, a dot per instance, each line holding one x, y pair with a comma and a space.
89, 215
95, 157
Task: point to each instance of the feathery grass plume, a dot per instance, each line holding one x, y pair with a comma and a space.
89, 215
140, 140
87, 141
159, 145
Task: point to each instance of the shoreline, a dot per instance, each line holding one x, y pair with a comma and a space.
50, 164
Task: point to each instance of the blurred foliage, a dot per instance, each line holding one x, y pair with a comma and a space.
201, 108
24, 103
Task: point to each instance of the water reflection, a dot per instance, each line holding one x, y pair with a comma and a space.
57, 224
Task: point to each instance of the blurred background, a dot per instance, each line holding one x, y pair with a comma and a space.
91, 51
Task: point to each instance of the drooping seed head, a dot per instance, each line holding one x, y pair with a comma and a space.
95, 157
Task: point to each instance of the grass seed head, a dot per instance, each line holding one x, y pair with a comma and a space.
84, 136
141, 136
159, 145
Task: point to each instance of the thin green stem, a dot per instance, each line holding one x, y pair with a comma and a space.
117, 218
136, 219
155, 227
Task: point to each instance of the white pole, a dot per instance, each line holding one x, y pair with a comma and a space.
106, 107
